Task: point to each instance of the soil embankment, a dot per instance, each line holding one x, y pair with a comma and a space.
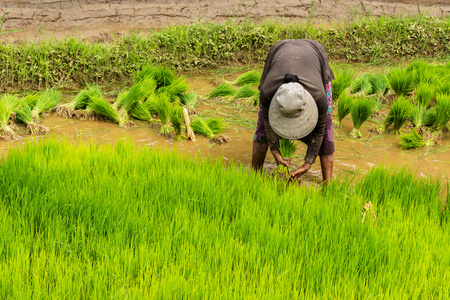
94, 19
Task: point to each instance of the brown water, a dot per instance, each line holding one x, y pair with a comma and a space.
352, 156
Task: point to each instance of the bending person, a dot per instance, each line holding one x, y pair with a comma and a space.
295, 103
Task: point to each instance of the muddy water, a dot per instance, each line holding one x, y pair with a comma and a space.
352, 156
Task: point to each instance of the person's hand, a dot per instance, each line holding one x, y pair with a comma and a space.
300, 171
280, 160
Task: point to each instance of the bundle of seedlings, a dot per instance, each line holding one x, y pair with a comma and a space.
189, 99
47, 100
102, 107
400, 81
287, 149
343, 80
343, 108
413, 140
176, 118
141, 112
443, 85
442, 113
161, 75
417, 116
245, 91
401, 110
217, 127
360, 110
189, 132
200, 126
7, 106
425, 92
360, 85
25, 116
175, 90
222, 90
379, 84
163, 110
139, 91
429, 117
78, 107
251, 78
421, 71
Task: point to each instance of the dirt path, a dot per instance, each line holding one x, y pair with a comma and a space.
94, 19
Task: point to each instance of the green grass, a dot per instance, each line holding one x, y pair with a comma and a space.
200, 45
117, 222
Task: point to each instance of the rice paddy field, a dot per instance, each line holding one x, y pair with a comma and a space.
125, 168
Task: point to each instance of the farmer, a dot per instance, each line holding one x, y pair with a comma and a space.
294, 103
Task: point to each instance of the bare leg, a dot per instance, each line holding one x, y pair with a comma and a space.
259, 155
326, 163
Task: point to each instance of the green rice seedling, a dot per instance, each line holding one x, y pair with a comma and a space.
287, 149
175, 89
343, 80
151, 103
139, 91
82, 99
360, 110
422, 72
25, 116
216, 125
429, 117
222, 90
176, 118
413, 140
400, 81
104, 108
379, 84
189, 99
425, 92
343, 108
442, 113
7, 105
200, 126
161, 75
443, 85
47, 100
245, 91
31, 99
163, 110
360, 83
401, 110
251, 78
417, 116
141, 112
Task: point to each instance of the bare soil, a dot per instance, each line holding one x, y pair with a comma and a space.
95, 20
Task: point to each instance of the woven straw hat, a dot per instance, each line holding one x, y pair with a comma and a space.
293, 113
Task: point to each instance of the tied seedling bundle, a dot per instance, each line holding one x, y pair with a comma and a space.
287, 149
413, 140
343, 108
102, 107
78, 107
189, 99
245, 91
24, 115
401, 110
176, 118
360, 111
46, 100
7, 106
442, 113
163, 110
401, 81
211, 128
343, 80
251, 78
425, 92
222, 90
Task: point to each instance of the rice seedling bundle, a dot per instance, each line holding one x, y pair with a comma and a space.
442, 112
25, 116
200, 126
245, 91
7, 105
82, 99
443, 85
360, 83
222, 90
175, 89
429, 117
417, 115
287, 149
47, 100
139, 91
141, 112
161, 75
151, 103
343, 80
251, 78
163, 110
360, 110
105, 109
401, 81
31, 99
176, 118
379, 84
413, 140
216, 125
401, 110
421, 72
189, 99
343, 107
425, 92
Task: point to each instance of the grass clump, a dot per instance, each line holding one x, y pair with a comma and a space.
343, 108
360, 110
176, 118
287, 149
401, 110
7, 105
251, 78
413, 140
401, 81
222, 90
